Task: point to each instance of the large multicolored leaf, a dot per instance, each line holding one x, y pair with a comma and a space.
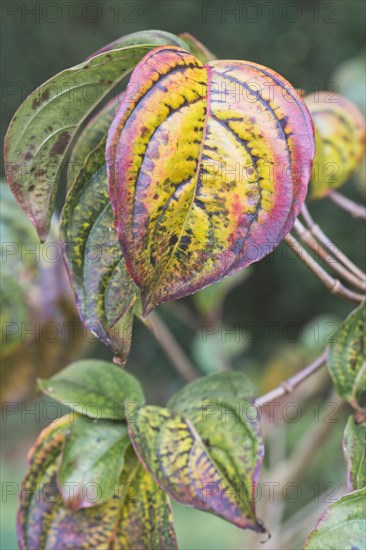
95, 388
346, 358
42, 129
137, 516
208, 168
343, 525
106, 295
192, 450
340, 140
355, 452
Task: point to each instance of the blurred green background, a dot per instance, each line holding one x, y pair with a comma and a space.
315, 45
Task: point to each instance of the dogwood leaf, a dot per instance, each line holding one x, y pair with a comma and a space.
208, 168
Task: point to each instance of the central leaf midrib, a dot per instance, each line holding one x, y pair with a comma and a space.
198, 170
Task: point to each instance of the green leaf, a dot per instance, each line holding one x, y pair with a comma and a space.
192, 448
203, 181
95, 388
44, 126
346, 358
90, 141
343, 525
93, 454
355, 452
137, 516
146, 519
106, 295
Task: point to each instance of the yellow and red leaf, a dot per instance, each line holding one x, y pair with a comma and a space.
208, 168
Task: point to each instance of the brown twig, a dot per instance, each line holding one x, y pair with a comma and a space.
173, 350
356, 210
334, 285
307, 237
287, 386
329, 245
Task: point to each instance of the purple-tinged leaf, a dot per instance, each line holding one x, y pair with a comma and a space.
208, 168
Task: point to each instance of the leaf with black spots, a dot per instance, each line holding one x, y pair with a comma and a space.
208, 167
43, 128
137, 516
106, 295
191, 448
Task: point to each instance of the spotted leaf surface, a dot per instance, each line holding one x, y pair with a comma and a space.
42, 129
355, 453
44, 521
340, 140
207, 171
106, 295
220, 406
192, 448
347, 359
146, 518
95, 388
343, 525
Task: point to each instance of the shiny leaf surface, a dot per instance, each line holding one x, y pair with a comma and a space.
95, 388
340, 140
92, 458
343, 525
207, 172
346, 359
